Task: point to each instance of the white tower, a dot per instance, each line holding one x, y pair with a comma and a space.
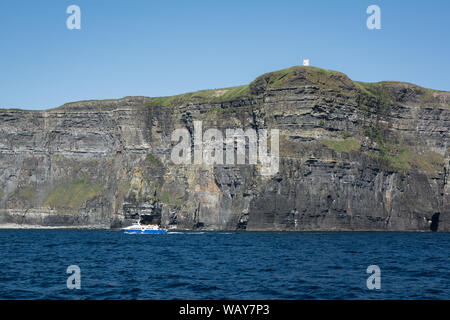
306, 62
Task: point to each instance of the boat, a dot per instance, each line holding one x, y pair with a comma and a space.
144, 229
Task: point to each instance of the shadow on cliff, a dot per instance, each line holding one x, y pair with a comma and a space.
435, 222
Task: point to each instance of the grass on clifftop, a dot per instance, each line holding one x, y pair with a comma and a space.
292, 77
277, 79
388, 92
215, 95
301, 76
313, 74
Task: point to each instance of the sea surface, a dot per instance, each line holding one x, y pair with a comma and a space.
223, 265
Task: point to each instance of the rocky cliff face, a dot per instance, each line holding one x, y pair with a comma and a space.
353, 156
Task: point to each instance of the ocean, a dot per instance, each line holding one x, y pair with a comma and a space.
223, 265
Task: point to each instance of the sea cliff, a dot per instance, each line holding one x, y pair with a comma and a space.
353, 156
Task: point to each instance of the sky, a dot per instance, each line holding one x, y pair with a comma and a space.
160, 48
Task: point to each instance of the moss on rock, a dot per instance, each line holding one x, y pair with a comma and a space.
72, 195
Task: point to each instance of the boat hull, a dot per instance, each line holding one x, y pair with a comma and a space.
130, 231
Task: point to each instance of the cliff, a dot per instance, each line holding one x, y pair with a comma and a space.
353, 156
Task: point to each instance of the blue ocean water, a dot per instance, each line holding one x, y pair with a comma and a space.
223, 265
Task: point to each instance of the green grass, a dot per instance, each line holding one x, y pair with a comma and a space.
406, 159
154, 161
346, 134
427, 97
289, 77
27, 193
395, 154
72, 195
342, 145
24, 193
277, 79
214, 96
303, 75
167, 198
376, 92
364, 87
234, 93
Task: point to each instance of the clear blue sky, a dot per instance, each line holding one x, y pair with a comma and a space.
158, 48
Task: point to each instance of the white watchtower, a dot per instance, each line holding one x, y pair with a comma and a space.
306, 62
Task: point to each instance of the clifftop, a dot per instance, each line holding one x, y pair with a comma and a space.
294, 77
301, 76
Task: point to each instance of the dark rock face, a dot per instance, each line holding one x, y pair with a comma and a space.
353, 156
